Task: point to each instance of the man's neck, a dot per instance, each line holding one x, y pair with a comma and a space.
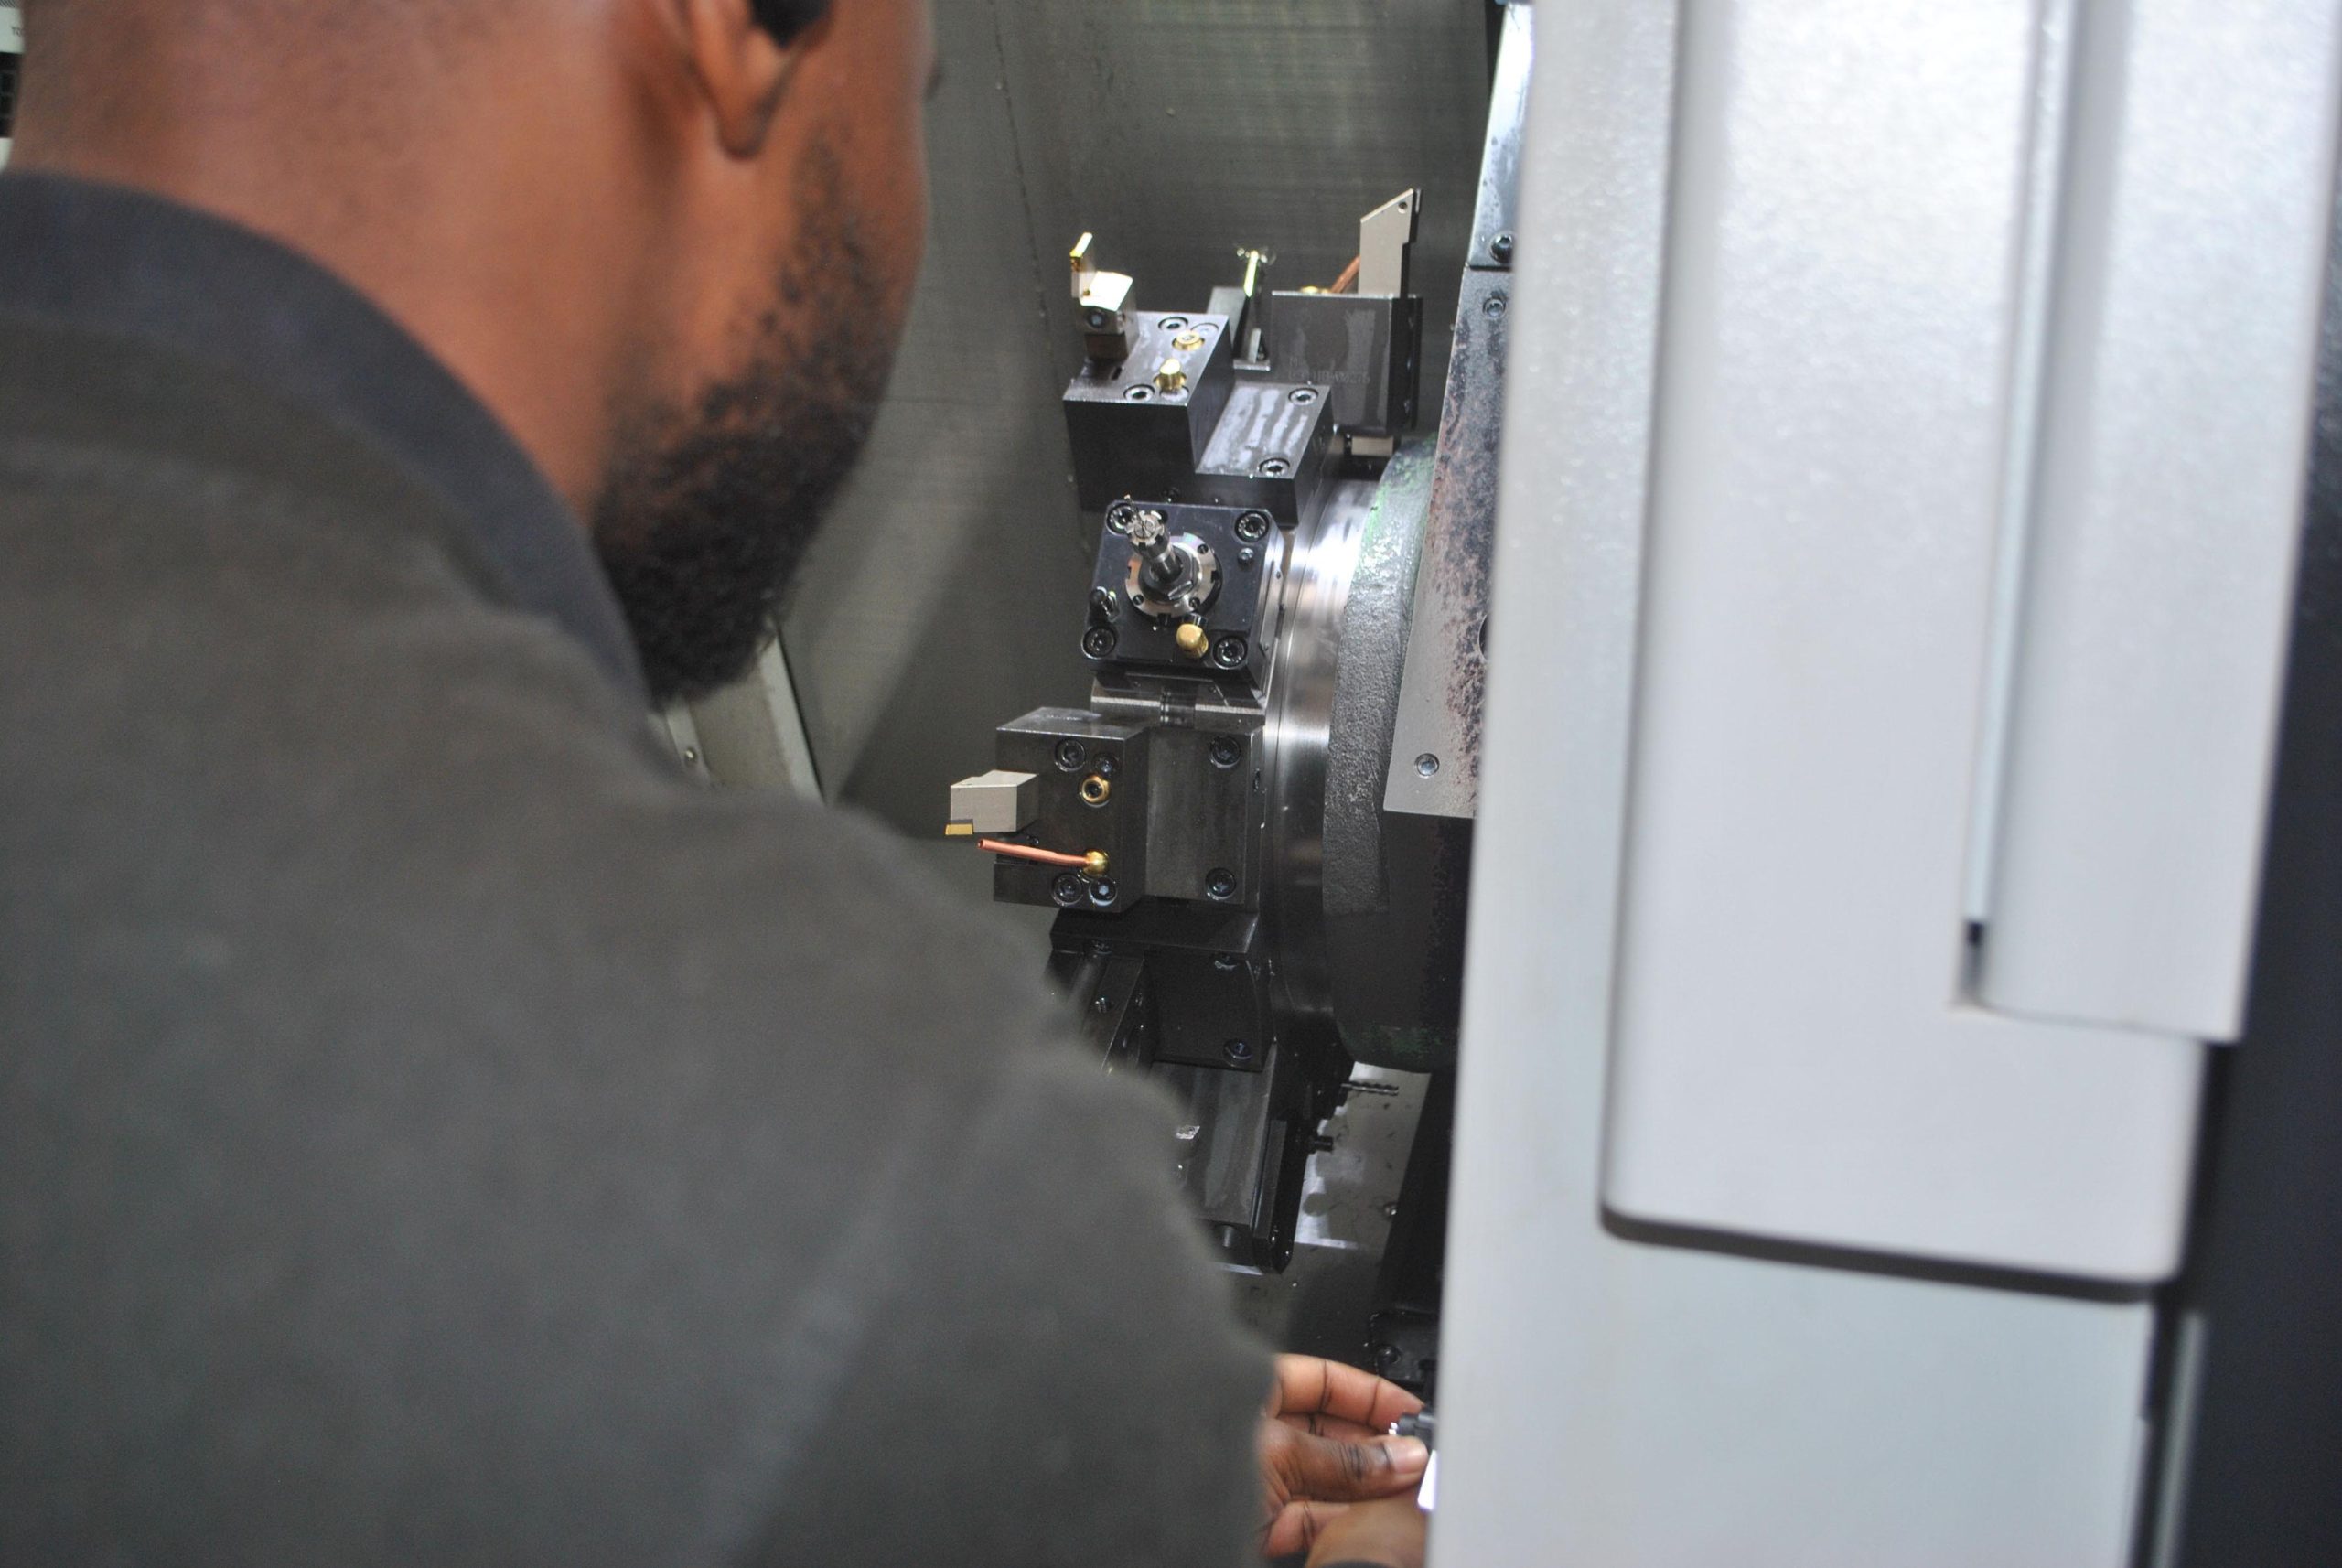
509, 281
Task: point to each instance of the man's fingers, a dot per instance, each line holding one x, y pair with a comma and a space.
1325, 1469
1309, 1385
1331, 1426
1295, 1528
1327, 1446
1391, 1533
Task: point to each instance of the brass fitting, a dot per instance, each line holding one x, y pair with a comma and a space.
1172, 376
1193, 641
1188, 342
1094, 863
1095, 788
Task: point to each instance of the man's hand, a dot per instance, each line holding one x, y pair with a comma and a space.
1325, 1445
1391, 1533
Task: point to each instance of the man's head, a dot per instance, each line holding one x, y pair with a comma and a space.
670, 243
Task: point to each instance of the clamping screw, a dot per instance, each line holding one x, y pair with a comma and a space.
1501, 247
1303, 396
1071, 755
1099, 641
1230, 653
1067, 889
1105, 765
1274, 467
1105, 604
1253, 526
1221, 885
1238, 1051
1101, 893
1226, 753
1120, 516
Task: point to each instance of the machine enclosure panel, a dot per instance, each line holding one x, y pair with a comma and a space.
1608, 1396
2156, 544
1795, 1060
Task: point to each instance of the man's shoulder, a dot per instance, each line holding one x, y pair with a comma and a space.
360, 756
730, 919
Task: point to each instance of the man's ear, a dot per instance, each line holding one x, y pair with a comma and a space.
742, 68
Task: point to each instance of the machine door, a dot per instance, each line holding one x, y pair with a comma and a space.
1903, 470
1982, 402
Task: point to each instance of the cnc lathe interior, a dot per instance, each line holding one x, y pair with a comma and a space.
1258, 859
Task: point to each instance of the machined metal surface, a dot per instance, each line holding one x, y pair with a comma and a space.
1320, 337
1130, 437
1215, 438
1273, 447
1393, 884
1365, 910
1366, 698
1435, 753
1299, 733
1386, 236
1435, 759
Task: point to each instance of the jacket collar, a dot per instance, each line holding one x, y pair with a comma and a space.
109, 260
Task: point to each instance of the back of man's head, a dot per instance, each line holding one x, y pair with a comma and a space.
670, 243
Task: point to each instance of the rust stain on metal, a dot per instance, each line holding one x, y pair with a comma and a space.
1462, 519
